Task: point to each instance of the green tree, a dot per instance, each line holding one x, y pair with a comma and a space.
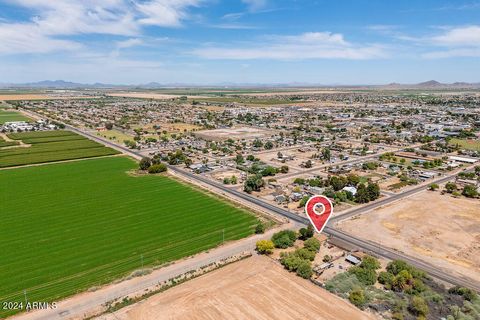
402, 281
145, 163
312, 244
269, 171
326, 154
290, 260
433, 186
365, 276
470, 191
451, 187
304, 269
239, 159
268, 145
157, 168
265, 246
305, 254
303, 201
284, 239
369, 262
373, 191
260, 228
257, 143
338, 183
386, 278
253, 183
362, 194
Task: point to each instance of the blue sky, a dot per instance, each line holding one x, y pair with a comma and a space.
240, 41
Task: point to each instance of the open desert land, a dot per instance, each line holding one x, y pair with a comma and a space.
28, 96
439, 229
148, 95
255, 288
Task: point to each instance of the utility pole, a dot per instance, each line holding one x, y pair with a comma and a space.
141, 258
25, 294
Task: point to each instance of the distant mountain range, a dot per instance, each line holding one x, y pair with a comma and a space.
61, 84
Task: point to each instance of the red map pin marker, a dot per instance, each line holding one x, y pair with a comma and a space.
319, 218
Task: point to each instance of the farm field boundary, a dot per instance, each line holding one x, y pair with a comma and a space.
72, 241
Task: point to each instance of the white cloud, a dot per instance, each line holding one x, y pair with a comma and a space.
129, 43
255, 5
463, 36
25, 38
165, 13
455, 42
310, 45
51, 20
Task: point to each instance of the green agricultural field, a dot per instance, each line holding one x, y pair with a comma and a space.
48, 146
67, 227
8, 116
468, 144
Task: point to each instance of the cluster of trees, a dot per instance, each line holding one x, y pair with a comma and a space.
231, 180
253, 183
130, 144
334, 185
177, 157
402, 277
429, 164
300, 260
370, 165
152, 165
366, 272
257, 167
266, 171
406, 291
469, 191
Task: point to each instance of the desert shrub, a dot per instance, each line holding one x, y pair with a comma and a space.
467, 293
357, 297
343, 283
419, 307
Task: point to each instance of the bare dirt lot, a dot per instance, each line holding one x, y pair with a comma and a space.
12, 97
255, 288
146, 95
440, 229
